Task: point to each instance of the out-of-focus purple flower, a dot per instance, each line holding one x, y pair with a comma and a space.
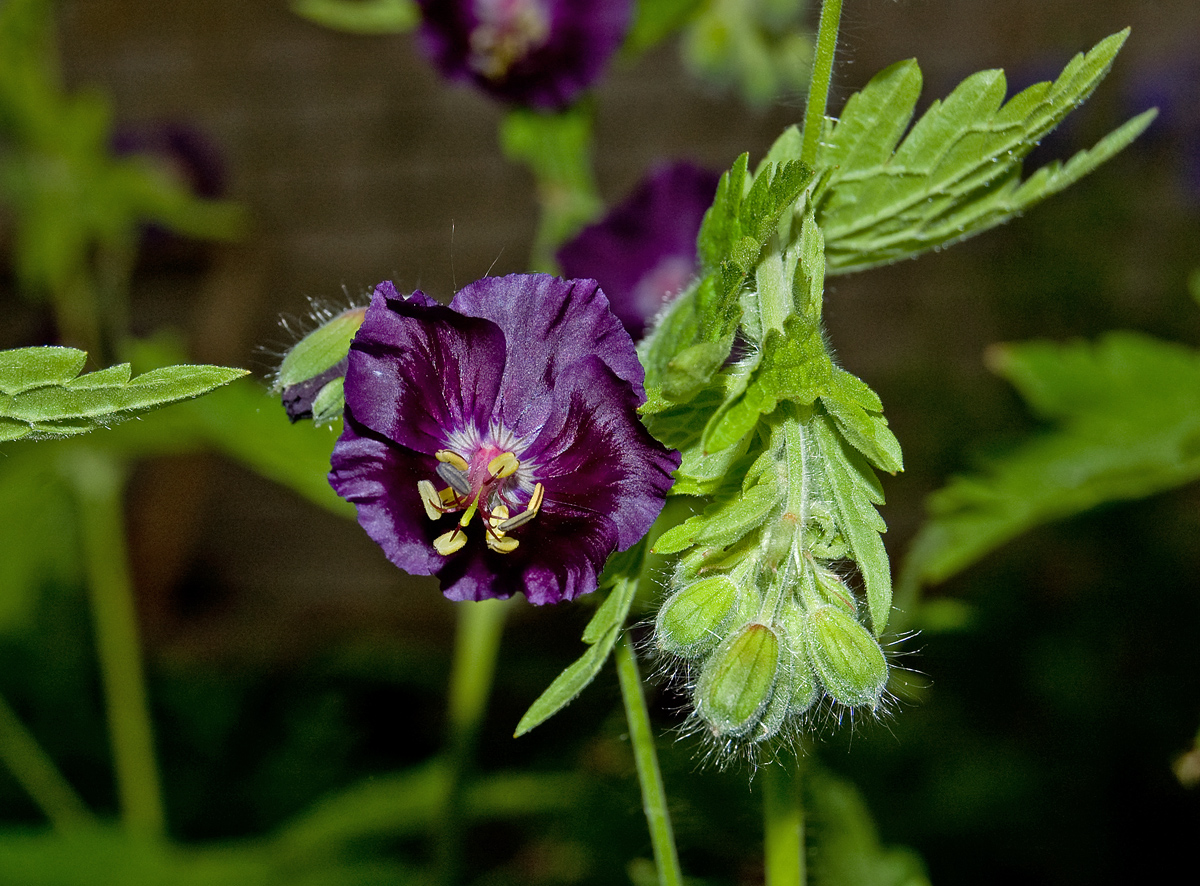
644, 251
183, 151
495, 443
539, 53
1171, 84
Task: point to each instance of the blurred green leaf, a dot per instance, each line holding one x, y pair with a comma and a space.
38, 400
654, 21
845, 848
405, 803
958, 170
1126, 411
360, 16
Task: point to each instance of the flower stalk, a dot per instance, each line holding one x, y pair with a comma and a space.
98, 483
654, 797
818, 86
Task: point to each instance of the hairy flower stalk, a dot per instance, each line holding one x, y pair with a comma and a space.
759, 608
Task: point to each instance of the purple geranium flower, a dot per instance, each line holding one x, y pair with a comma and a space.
540, 53
644, 251
495, 443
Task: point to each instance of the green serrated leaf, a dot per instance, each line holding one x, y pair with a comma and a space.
958, 171
569, 683
856, 491
602, 633
858, 412
24, 369
725, 521
1128, 415
68, 407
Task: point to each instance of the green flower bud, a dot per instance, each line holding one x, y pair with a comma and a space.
737, 682
307, 376
690, 622
847, 658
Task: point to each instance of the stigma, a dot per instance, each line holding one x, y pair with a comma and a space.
485, 485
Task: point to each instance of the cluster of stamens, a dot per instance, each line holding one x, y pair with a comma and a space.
483, 494
507, 32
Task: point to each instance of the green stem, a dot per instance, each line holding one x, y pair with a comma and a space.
476, 647
98, 482
783, 825
33, 769
654, 797
818, 87
557, 148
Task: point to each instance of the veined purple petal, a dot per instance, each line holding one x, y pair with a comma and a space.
644, 251
539, 53
417, 368
556, 322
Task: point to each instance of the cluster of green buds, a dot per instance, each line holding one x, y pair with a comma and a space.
766, 623
780, 448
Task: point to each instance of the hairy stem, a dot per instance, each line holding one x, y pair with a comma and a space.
98, 482
33, 769
818, 87
654, 797
477, 644
783, 825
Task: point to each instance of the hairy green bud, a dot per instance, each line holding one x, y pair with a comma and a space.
737, 682
310, 378
690, 622
846, 656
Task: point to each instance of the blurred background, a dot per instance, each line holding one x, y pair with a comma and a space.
287, 659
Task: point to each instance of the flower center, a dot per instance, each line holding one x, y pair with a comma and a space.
508, 30
483, 485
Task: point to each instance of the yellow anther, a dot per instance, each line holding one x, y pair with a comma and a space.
502, 544
498, 516
531, 511
448, 496
503, 465
432, 500
449, 457
449, 542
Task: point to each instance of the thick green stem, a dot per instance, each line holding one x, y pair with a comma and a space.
477, 644
818, 87
98, 482
783, 824
33, 769
654, 797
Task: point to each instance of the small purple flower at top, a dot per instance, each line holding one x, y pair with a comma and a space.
644, 251
495, 443
538, 53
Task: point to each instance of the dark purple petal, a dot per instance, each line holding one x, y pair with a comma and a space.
418, 368
539, 53
551, 323
380, 479
644, 251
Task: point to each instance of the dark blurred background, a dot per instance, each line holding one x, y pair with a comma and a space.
288, 658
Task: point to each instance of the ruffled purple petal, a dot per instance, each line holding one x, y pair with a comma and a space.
418, 369
380, 479
598, 457
644, 251
550, 323
539, 53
